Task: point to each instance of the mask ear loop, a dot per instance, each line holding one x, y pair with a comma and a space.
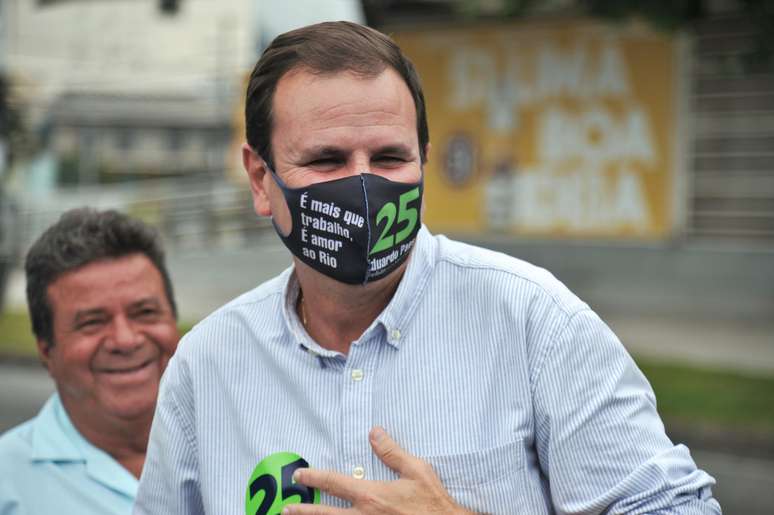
280, 183
368, 229
284, 189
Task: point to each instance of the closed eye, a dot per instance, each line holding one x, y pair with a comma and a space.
146, 314
325, 163
389, 161
90, 324
146, 310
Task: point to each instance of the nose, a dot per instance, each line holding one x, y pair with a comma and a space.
124, 337
360, 162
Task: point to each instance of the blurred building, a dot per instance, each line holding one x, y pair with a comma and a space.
141, 87
128, 88
127, 46
634, 162
731, 100
138, 104
109, 138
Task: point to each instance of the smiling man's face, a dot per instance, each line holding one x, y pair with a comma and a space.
114, 332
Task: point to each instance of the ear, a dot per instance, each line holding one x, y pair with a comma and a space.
44, 351
427, 152
259, 178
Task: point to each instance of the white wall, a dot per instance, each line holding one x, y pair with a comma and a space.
274, 17
127, 46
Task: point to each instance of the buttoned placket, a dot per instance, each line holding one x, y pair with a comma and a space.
357, 404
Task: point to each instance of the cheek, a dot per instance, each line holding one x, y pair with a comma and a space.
165, 338
413, 174
71, 362
409, 174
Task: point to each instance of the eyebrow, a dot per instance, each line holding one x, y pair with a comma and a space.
403, 150
317, 152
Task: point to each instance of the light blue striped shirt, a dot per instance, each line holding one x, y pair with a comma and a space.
487, 367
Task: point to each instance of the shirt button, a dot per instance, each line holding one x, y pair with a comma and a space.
357, 374
358, 472
395, 335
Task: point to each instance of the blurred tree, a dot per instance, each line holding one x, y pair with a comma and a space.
665, 14
12, 142
762, 14
169, 6
12, 134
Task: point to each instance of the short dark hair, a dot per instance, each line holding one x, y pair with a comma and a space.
83, 236
325, 48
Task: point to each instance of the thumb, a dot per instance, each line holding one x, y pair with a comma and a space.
389, 451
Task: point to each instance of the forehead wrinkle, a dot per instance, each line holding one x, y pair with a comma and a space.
105, 282
303, 116
393, 106
364, 128
356, 108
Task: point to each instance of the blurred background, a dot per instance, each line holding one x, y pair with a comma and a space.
627, 146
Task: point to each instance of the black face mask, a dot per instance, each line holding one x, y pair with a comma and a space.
355, 230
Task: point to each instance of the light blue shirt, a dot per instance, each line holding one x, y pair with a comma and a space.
487, 367
46, 466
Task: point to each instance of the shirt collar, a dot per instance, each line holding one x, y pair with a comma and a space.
50, 436
293, 323
395, 317
55, 438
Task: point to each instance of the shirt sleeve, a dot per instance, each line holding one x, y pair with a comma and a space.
599, 438
170, 477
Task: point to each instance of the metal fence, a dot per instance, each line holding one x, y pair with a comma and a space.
733, 107
189, 214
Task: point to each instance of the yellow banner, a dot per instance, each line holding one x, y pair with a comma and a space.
555, 130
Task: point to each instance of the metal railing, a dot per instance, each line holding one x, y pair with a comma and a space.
191, 214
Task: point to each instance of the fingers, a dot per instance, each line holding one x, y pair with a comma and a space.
338, 485
313, 509
390, 452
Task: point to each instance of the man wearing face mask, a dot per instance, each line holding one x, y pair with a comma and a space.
390, 370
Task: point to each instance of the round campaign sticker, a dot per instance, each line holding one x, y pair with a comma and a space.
271, 486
